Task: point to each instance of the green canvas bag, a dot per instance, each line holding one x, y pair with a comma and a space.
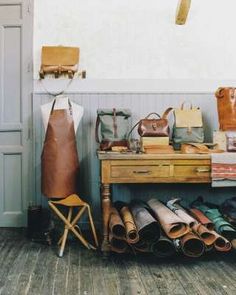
114, 126
188, 126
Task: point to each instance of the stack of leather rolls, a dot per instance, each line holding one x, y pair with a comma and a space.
165, 229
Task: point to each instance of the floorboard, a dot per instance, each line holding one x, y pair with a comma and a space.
28, 268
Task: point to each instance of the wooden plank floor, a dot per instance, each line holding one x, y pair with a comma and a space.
30, 268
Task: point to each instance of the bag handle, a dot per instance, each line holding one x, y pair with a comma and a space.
153, 113
183, 103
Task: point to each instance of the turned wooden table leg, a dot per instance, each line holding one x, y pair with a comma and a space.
106, 205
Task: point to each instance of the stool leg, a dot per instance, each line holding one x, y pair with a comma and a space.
92, 226
64, 237
83, 241
74, 221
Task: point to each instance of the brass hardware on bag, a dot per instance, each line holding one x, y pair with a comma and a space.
203, 169
154, 126
189, 130
141, 171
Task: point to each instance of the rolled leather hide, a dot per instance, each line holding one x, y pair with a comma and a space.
117, 245
191, 245
141, 246
147, 226
200, 217
221, 244
200, 230
181, 212
164, 247
233, 242
221, 226
173, 226
207, 236
228, 209
116, 224
132, 236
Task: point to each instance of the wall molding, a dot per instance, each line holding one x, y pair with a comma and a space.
162, 86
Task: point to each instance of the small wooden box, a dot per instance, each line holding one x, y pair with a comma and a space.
219, 138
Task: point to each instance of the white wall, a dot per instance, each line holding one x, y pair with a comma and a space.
124, 39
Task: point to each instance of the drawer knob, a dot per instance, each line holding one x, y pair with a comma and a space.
141, 171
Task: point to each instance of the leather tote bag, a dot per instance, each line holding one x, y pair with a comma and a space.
188, 126
58, 60
226, 106
114, 125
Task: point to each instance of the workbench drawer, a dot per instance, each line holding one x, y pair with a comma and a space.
192, 171
140, 171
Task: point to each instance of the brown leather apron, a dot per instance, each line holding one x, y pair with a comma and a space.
59, 159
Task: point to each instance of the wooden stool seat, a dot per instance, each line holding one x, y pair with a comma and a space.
73, 201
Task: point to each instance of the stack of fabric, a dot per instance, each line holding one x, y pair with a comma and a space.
165, 229
223, 170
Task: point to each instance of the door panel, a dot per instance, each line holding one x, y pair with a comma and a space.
15, 111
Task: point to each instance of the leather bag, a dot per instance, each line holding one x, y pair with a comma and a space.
198, 148
188, 126
153, 127
58, 60
173, 226
226, 106
114, 126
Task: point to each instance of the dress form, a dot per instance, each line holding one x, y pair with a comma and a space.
62, 103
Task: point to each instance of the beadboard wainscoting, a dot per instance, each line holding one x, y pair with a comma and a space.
141, 104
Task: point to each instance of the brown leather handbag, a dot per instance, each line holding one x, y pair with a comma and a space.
226, 105
153, 127
58, 60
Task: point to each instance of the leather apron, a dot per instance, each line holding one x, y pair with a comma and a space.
59, 159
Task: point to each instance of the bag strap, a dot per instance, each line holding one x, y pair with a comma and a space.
133, 129
114, 123
183, 103
98, 121
53, 105
166, 113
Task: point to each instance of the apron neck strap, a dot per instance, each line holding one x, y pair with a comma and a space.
69, 103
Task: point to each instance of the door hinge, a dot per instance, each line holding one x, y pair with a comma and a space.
30, 67
29, 7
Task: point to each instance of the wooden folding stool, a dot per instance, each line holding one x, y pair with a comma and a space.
73, 201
